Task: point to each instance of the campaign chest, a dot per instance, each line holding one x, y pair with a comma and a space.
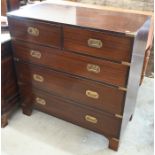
80, 64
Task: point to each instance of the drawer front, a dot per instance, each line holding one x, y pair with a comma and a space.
72, 112
36, 32
95, 69
86, 92
98, 44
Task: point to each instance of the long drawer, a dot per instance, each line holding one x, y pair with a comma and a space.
35, 31
86, 92
86, 117
98, 44
95, 69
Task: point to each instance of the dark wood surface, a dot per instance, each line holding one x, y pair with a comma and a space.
6, 63
149, 51
9, 5
70, 111
83, 17
59, 84
13, 5
114, 143
49, 34
115, 47
3, 7
9, 90
112, 73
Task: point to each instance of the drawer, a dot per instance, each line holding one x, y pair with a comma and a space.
81, 115
85, 92
98, 44
35, 31
91, 68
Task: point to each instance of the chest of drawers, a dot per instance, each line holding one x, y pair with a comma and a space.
80, 64
9, 90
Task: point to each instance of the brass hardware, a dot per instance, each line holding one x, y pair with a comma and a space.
122, 88
91, 119
40, 101
33, 31
35, 54
92, 94
118, 116
130, 34
126, 63
38, 78
93, 68
115, 139
95, 43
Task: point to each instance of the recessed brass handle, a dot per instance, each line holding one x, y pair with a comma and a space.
95, 43
35, 54
40, 101
33, 31
93, 68
91, 119
38, 78
92, 94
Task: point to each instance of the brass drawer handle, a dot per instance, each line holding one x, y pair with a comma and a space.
95, 43
40, 101
35, 54
33, 31
38, 78
91, 119
93, 68
92, 94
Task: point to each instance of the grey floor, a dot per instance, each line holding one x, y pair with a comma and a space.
42, 134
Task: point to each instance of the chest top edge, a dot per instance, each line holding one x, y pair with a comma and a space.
97, 19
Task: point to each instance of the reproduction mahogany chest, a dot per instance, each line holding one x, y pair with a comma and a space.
9, 90
80, 64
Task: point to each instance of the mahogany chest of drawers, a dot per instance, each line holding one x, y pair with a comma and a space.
80, 64
9, 90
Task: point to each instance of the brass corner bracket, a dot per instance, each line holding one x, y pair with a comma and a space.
122, 88
118, 116
130, 34
126, 63
115, 139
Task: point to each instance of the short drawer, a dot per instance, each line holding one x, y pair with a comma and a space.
98, 44
85, 92
81, 115
35, 31
91, 68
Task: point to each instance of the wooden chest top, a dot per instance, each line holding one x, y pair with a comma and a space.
109, 20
